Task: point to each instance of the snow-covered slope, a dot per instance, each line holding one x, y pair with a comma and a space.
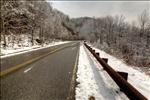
94, 81
138, 79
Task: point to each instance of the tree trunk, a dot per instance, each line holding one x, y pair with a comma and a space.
41, 36
32, 37
5, 42
148, 39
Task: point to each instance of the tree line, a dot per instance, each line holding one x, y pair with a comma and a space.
128, 41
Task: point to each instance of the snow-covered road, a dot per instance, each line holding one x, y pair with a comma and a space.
94, 81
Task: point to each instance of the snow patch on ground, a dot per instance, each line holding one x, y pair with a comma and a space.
14, 51
94, 81
138, 79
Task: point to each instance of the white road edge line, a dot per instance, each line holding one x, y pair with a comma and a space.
25, 71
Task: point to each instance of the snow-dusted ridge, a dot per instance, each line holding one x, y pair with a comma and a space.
94, 81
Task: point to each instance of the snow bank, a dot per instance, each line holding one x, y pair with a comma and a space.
14, 51
94, 81
138, 79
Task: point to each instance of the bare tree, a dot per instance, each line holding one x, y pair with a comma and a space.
143, 21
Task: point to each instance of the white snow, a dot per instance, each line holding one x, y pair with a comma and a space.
94, 81
14, 51
139, 80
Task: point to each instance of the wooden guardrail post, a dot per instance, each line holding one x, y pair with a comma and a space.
97, 53
105, 59
123, 74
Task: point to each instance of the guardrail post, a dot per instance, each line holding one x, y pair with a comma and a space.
123, 74
105, 59
97, 53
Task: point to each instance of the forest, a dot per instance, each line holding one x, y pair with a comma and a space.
29, 23
32, 22
116, 36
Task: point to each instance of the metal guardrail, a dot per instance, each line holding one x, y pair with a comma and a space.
126, 87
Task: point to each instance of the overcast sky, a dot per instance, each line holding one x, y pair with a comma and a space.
102, 8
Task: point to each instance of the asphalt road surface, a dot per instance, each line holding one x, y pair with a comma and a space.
49, 78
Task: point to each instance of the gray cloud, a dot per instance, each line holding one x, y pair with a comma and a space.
102, 8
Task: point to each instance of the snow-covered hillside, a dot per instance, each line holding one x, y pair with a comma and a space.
94, 81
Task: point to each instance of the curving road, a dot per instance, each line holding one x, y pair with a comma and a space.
49, 78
